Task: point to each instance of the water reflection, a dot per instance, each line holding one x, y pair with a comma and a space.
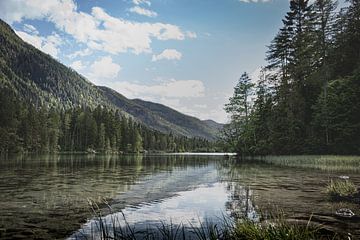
45, 197
41, 193
297, 192
212, 203
241, 202
186, 208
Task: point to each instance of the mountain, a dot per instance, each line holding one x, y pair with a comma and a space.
162, 118
190, 125
39, 79
213, 124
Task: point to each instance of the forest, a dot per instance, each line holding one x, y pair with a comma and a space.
30, 129
307, 99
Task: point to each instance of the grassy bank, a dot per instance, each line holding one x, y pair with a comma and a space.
322, 162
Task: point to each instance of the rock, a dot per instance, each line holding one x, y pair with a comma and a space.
345, 212
344, 177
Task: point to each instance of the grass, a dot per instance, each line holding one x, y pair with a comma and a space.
271, 229
277, 229
341, 189
322, 162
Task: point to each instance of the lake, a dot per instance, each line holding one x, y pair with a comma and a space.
47, 197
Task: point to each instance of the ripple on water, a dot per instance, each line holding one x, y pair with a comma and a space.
56, 190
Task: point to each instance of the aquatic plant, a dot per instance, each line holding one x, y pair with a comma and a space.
278, 229
341, 188
321, 162
274, 228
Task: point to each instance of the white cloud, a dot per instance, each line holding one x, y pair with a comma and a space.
143, 11
15, 11
260, 73
256, 74
34, 40
170, 89
170, 54
47, 44
98, 30
214, 112
190, 34
80, 53
30, 29
103, 69
139, 2
180, 95
77, 66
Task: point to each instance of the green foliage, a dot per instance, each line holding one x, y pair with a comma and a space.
279, 229
239, 108
307, 97
337, 117
24, 128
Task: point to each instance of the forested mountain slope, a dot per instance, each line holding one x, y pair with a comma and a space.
188, 124
40, 80
160, 117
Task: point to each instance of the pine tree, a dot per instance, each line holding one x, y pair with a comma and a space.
325, 19
53, 130
239, 109
101, 138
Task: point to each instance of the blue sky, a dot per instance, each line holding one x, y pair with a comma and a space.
187, 54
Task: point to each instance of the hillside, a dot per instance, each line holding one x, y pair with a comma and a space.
213, 124
191, 125
162, 118
37, 78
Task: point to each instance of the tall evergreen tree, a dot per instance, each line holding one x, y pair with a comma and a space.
239, 108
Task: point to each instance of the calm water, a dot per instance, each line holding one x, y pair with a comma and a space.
46, 197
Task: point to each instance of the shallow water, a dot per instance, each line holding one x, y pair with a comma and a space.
46, 197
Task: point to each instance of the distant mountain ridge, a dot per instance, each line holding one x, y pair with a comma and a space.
161, 117
37, 78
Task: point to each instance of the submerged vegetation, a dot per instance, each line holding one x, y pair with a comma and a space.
306, 100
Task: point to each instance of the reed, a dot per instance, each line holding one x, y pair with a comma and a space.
275, 228
341, 188
322, 162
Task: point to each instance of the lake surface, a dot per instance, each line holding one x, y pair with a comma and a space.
46, 197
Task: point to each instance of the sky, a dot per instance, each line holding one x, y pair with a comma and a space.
186, 54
